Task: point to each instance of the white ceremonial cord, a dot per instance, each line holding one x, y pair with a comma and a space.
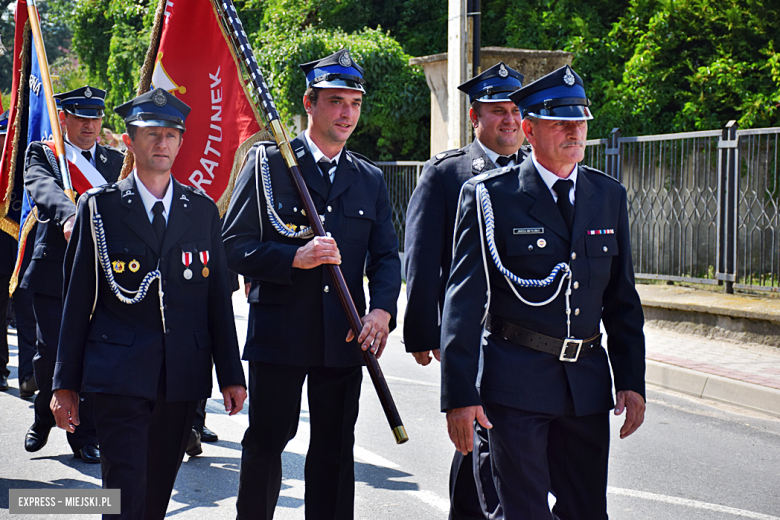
101, 257
487, 235
276, 221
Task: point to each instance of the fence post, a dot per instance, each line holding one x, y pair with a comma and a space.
613, 155
728, 177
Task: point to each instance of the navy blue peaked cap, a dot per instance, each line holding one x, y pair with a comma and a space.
338, 70
558, 95
157, 107
85, 102
493, 85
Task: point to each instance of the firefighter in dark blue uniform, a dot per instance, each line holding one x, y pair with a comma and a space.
297, 328
542, 258
82, 115
428, 252
142, 328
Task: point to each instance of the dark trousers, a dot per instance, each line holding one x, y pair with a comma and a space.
4, 281
274, 410
48, 316
199, 421
535, 453
472, 492
25, 331
142, 443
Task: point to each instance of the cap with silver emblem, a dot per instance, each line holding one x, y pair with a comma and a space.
560, 95
493, 85
338, 70
87, 102
155, 108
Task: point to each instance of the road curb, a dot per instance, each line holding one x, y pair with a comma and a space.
707, 386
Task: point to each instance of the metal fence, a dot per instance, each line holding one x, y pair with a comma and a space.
401, 178
704, 207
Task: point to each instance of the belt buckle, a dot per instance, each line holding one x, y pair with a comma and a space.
570, 343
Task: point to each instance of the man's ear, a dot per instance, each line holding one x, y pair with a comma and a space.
474, 117
128, 142
306, 103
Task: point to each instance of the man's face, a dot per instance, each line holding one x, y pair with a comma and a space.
334, 117
155, 148
82, 131
498, 126
557, 144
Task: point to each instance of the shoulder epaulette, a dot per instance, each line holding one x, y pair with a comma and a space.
361, 157
482, 177
599, 172
106, 188
439, 157
196, 191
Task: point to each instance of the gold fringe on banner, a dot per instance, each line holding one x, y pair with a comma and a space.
146, 75
22, 98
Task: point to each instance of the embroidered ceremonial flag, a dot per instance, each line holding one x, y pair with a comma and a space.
12, 158
195, 62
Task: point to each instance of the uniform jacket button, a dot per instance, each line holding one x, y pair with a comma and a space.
576, 285
330, 209
530, 247
574, 256
326, 289
127, 250
605, 249
360, 212
576, 312
104, 337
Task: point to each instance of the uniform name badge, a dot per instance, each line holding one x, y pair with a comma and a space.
186, 259
204, 259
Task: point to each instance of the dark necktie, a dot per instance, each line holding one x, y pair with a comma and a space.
562, 188
504, 160
325, 168
87, 155
158, 221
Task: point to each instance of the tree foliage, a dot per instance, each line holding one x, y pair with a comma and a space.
56, 38
394, 118
650, 66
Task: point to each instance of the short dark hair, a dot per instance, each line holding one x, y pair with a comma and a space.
477, 106
313, 94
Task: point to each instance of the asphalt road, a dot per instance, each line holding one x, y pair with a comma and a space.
690, 460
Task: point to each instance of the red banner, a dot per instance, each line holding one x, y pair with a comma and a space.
11, 153
195, 63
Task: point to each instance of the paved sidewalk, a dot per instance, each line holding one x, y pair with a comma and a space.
746, 375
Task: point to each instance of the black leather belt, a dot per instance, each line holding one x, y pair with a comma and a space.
568, 350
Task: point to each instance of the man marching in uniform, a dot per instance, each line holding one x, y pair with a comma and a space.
90, 165
297, 328
429, 227
542, 257
147, 309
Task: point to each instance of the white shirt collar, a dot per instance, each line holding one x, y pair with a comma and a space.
550, 178
90, 150
493, 156
149, 200
316, 152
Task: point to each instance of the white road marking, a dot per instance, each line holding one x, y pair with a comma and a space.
430, 498
412, 381
689, 503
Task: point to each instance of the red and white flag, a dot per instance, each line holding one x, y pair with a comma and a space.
195, 62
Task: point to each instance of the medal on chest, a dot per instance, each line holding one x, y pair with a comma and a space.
204, 259
186, 259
